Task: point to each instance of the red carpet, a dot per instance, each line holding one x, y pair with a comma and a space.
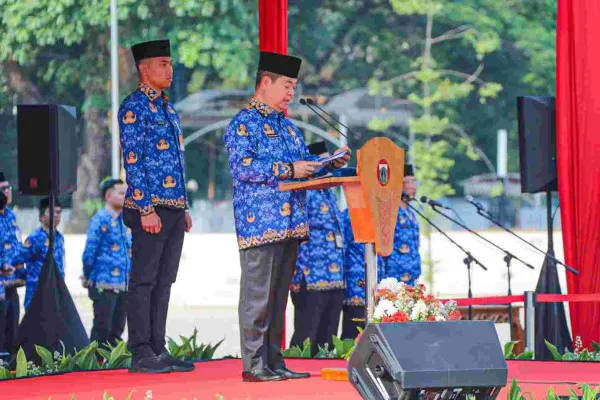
223, 377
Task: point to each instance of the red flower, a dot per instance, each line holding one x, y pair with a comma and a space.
431, 319
455, 315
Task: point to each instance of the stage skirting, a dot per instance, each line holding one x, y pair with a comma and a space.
222, 377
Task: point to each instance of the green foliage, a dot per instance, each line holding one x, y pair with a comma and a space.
510, 355
297, 352
579, 354
515, 392
21, 370
189, 350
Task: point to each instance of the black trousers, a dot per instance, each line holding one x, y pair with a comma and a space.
109, 316
4, 348
13, 313
154, 265
350, 327
316, 316
266, 276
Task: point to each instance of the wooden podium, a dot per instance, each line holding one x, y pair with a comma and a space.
373, 198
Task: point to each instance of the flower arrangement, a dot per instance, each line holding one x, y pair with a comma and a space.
398, 302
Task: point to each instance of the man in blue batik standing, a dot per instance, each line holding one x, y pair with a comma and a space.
404, 263
106, 265
265, 148
318, 283
10, 240
32, 253
156, 206
354, 274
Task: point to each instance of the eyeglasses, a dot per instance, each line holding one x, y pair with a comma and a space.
5, 188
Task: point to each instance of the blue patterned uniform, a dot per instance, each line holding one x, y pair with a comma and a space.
404, 263
262, 144
10, 240
152, 143
320, 261
33, 253
107, 254
354, 265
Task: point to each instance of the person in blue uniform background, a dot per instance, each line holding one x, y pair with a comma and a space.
106, 265
156, 206
32, 253
10, 240
265, 148
404, 263
4, 266
354, 272
317, 288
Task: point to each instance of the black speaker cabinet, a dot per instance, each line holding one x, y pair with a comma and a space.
48, 149
430, 360
537, 143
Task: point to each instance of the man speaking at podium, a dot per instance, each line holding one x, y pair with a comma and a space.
265, 148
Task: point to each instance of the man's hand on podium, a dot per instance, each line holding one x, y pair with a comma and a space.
304, 169
340, 162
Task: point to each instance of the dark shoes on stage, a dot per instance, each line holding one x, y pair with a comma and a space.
159, 364
269, 375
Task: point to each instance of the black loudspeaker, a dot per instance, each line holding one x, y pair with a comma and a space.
430, 360
48, 149
537, 143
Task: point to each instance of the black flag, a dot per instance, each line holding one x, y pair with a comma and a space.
51, 317
550, 318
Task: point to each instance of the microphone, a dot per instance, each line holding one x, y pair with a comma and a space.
308, 103
433, 203
477, 205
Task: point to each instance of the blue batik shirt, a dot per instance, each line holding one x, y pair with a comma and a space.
262, 144
404, 263
354, 265
107, 255
10, 240
152, 143
33, 253
320, 260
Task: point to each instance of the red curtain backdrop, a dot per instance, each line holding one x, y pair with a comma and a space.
273, 26
273, 37
578, 154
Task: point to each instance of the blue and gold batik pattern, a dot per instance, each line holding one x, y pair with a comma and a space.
107, 255
152, 143
33, 253
10, 240
354, 265
320, 260
262, 144
404, 263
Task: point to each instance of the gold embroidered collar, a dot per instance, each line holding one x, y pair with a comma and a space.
151, 93
261, 107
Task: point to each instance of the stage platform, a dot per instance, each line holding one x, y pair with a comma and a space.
212, 379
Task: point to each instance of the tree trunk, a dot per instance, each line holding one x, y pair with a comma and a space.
91, 168
26, 91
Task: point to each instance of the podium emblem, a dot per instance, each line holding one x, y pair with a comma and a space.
383, 172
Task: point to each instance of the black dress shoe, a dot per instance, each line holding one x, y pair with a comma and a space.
176, 364
149, 364
261, 375
291, 374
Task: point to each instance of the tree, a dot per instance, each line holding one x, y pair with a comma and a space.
64, 45
432, 86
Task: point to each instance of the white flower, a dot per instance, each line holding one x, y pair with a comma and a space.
421, 307
384, 308
389, 284
439, 318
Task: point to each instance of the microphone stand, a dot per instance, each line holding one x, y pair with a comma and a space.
507, 259
485, 214
468, 260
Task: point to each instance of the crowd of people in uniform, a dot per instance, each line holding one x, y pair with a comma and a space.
289, 241
106, 263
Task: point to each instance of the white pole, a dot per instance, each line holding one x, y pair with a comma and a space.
114, 87
502, 157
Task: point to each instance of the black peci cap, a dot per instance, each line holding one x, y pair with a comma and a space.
155, 48
279, 64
